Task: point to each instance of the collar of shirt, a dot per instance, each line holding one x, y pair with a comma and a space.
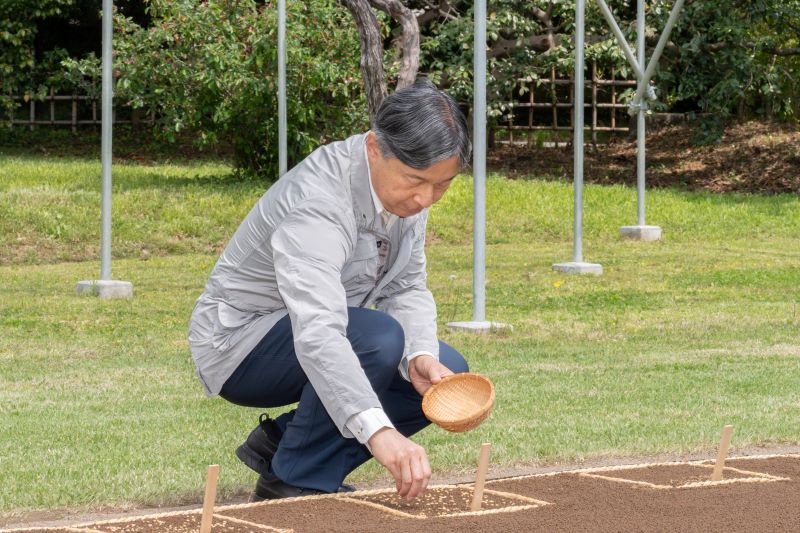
387, 217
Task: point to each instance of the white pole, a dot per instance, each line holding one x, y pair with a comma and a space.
662, 42
640, 118
577, 266
281, 87
479, 324
479, 165
620, 37
105, 143
641, 231
105, 287
577, 144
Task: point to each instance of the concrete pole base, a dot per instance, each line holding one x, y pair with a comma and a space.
641, 233
573, 267
105, 289
478, 327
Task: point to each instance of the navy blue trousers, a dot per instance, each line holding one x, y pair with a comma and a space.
312, 452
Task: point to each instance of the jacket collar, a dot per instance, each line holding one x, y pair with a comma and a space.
363, 206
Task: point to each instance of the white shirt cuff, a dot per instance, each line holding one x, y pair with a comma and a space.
366, 423
403, 368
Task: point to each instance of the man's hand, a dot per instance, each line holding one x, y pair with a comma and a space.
424, 371
406, 461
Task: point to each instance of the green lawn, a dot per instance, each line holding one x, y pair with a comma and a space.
99, 404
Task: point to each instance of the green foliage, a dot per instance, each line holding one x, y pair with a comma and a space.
447, 49
20, 73
211, 67
723, 53
725, 60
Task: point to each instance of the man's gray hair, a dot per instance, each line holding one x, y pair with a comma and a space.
421, 125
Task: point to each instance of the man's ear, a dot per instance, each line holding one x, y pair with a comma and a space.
373, 150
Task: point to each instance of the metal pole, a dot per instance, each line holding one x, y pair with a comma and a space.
281, 87
479, 165
662, 42
623, 43
105, 287
105, 146
640, 124
577, 114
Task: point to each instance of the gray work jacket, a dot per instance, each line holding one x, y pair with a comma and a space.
308, 248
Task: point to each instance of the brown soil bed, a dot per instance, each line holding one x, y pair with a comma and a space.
675, 475
575, 502
440, 501
186, 523
175, 523
331, 515
760, 157
53, 530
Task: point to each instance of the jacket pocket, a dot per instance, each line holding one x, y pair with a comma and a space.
230, 317
361, 271
230, 320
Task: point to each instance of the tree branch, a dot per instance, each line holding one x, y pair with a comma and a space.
546, 19
538, 43
443, 10
716, 47
408, 41
783, 52
371, 53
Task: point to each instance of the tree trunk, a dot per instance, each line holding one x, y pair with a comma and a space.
372, 47
371, 53
409, 40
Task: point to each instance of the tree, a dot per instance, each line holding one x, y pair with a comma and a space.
18, 65
209, 65
211, 68
732, 55
372, 68
722, 56
37, 35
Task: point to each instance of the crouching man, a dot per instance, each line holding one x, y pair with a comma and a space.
320, 298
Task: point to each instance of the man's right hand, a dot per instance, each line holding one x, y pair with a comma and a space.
406, 461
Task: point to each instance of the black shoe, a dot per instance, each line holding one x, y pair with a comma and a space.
256, 452
269, 487
262, 443
266, 489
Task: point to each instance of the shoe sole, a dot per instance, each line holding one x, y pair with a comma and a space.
251, 459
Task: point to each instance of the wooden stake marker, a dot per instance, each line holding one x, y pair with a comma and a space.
722, 453
208, 500
483, 466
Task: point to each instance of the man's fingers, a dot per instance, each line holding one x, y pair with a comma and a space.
406, 461
437, 372
421, 477
397, 475
416, 479
426, 471
407, 478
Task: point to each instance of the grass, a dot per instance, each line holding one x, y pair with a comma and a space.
52, 208
99, 404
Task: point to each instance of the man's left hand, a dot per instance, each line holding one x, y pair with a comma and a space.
424, 371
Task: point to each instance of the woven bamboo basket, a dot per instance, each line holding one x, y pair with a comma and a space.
460, 402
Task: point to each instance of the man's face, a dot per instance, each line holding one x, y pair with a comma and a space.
403, 190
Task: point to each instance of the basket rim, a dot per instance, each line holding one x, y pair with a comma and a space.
467, 422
